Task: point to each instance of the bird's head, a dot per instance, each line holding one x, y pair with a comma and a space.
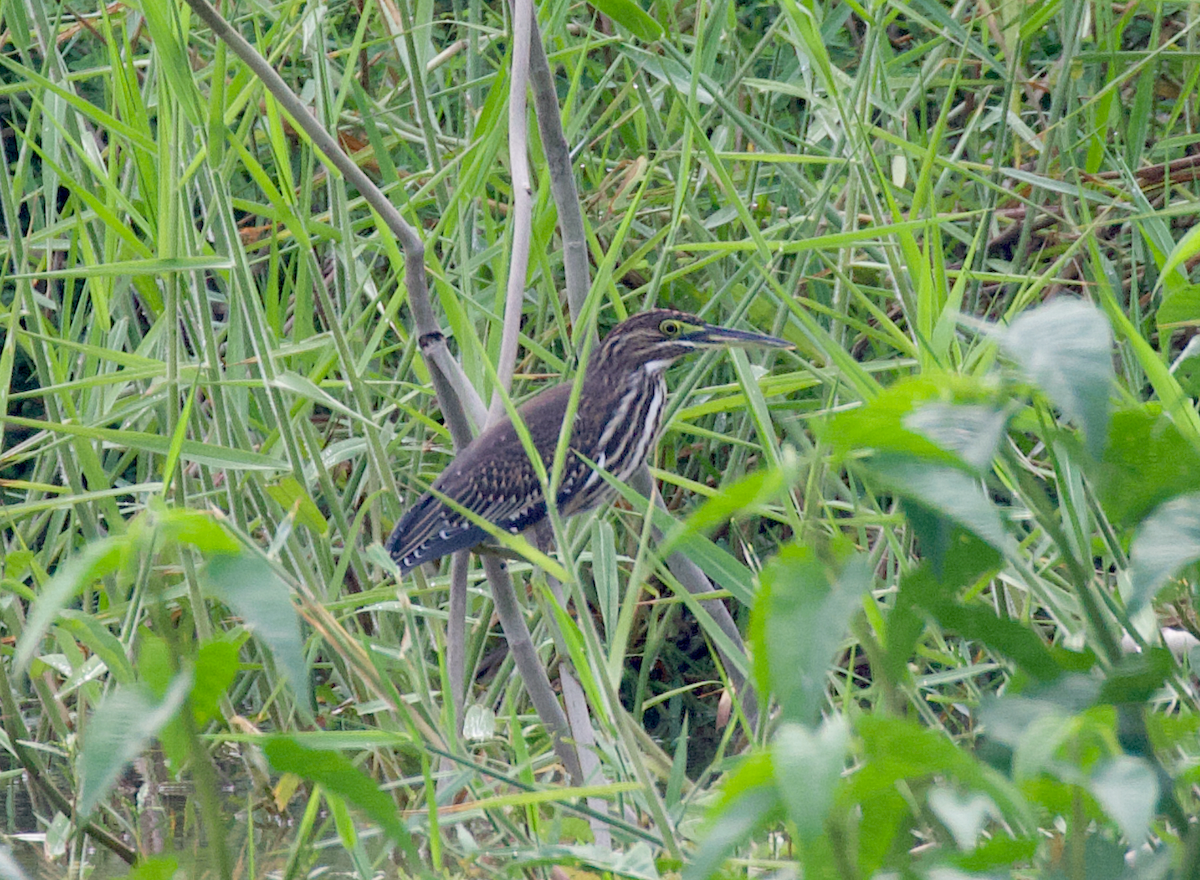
654, 340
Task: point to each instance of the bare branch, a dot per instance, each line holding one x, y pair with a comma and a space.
521, 215
433, 345
456, 635
429, 333
529, 665
562, 177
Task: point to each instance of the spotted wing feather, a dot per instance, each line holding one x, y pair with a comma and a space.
493, 478
429, 530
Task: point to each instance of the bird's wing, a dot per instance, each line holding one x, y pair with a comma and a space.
429, 530
493, 478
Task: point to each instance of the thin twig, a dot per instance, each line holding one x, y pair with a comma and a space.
529, 665
562, 177
432, 342
456, 634
576, 705
521, 216
433, 347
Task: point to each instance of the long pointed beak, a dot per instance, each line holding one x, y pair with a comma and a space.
712, 336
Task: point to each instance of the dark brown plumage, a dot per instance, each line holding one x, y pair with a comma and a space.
616, 425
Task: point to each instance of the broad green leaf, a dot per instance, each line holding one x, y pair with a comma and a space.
1166, 541
1135, 678
217, 665
1066, 349
905, 623
1180, 309
1127, 789
943, 418
750, 774
808, 765
963, 813
631, 17
1105, 858
887, 814
1186, 248
251, 588
729, 828
156, 668
934, 532
668, 70
94, 561
1007, 638
999, 852
333, 771
1039, 731
1148, 461
154, 661
58, 836
99, 639
1007, 718
198, 528
117, 732
304, 388
972, 433
896, 749
946, 490
289, 494
798, 623
157, 868
604, 574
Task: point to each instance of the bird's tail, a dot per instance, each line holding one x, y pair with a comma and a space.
427, 531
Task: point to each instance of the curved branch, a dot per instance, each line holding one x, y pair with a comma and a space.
443, 369
433, 343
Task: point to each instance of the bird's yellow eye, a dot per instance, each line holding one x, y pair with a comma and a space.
670, 327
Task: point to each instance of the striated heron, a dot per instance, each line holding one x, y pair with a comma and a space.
616, 426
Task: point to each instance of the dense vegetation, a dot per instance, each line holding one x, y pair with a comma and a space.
957, 527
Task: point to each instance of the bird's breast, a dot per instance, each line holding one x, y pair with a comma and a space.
631, 429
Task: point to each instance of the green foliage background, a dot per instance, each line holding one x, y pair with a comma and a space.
968, 508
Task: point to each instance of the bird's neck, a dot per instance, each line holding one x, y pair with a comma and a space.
605, 373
